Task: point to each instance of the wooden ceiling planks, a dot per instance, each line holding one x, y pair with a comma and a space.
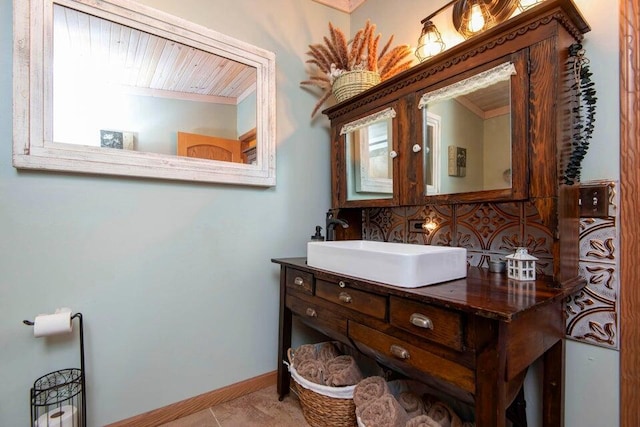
140, 60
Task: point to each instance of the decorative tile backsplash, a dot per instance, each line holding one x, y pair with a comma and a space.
486, 230
493, 230
592, 314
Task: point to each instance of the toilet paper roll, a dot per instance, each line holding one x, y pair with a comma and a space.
64, 416
52, 324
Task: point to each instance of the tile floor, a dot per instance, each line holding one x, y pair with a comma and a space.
258, 409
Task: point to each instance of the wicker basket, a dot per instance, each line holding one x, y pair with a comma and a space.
319, 405
351, 83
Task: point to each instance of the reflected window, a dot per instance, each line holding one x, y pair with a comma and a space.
371, 153
369, 145
431, 153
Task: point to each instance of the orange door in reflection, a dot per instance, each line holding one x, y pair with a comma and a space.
209, 147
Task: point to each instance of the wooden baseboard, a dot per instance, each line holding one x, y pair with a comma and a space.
198, 403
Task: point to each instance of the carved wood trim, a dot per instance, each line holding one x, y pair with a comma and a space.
630, 202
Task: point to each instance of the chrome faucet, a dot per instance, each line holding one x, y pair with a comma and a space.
330, 227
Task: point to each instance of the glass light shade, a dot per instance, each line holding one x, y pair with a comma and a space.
430, 42
527, 4
475, 18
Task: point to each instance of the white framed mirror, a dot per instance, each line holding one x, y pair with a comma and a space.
114, 87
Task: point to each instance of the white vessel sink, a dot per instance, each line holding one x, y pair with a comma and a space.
397, 264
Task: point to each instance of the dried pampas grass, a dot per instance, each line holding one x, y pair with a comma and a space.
337, 56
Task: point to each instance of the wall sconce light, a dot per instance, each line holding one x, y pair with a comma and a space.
430, 42
527, 4
475, 17
470, 17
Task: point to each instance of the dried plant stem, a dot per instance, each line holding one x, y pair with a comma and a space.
355, 47
372, 63
390, 60
339, 45
385, 48
337, 55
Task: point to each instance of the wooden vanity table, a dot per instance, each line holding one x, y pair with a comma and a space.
473, 338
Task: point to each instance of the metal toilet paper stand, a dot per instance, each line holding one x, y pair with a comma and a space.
59, 398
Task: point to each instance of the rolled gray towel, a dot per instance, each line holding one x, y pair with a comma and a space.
342, 371
327, 351
412, 403
422, 421
304, 352
443, 414
385, 411
312, 370
368, 390
428, 400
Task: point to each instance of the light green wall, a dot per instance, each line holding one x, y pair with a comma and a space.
247, 113
174, 279
496, 159
465, 132
155, 121
589, 369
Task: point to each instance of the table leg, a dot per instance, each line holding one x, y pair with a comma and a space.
553, 386
517, 411
284, 339
491, 387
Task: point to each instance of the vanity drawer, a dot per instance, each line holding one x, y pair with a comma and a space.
298, 280
394, 350
322, 318
361, 301
435, 324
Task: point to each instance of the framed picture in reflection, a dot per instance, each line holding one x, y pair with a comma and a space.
457, 161
116, 139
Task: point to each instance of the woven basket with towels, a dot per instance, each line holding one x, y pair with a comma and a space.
324, 405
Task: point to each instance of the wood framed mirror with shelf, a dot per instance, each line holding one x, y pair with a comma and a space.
480, 112
524, 172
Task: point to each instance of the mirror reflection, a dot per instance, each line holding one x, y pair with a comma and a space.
369, 155
147, 93
467, 135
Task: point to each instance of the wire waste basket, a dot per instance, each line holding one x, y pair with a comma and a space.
58, 398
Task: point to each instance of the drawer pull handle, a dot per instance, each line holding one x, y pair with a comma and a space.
298, 281
345, 297
421, 321
399, 352
311, 312
342, 284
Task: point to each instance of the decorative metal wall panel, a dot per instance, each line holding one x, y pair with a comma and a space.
385, 224
488, 230
436, 224
592, 314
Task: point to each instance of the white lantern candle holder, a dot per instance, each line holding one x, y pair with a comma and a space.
521, 265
